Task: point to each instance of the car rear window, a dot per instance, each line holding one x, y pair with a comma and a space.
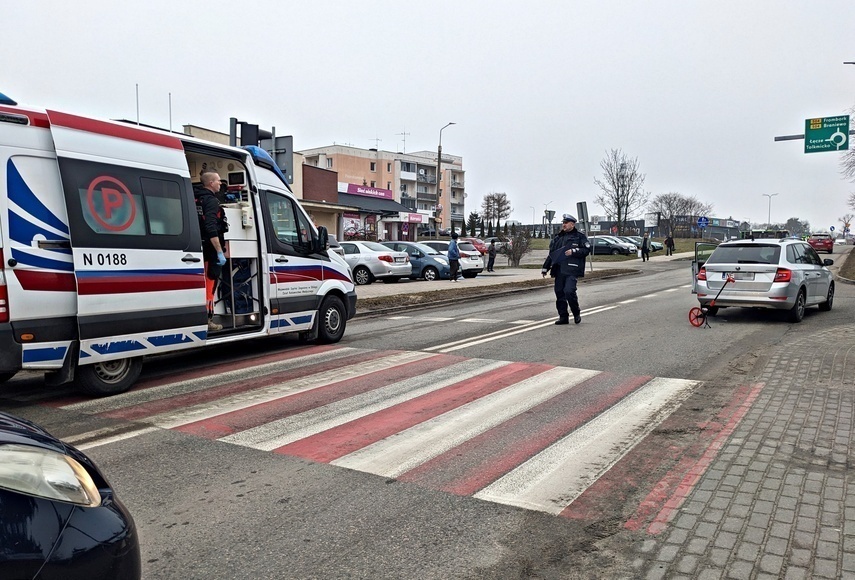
745, 254
820, 237
466, 247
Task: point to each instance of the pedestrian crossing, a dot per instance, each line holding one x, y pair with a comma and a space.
530, 435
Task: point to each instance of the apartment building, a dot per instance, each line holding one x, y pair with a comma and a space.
396, 193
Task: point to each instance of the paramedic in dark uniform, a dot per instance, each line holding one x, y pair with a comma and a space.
566, 263
212, 225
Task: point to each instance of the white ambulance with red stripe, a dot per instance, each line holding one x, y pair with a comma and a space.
101, 254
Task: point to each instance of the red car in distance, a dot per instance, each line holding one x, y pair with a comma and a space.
821, 243
478, 243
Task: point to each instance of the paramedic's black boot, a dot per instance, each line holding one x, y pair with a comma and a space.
562, 321
577, 317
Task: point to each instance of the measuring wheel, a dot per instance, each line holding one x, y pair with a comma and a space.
697, 317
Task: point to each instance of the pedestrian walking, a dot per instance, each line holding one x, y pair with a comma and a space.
566, 263
454, 256
491, 255
669, 245
645, 248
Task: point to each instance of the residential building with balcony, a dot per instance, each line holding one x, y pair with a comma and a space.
408, 179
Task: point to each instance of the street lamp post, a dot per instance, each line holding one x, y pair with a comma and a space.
532, 216
439, 173
769, 217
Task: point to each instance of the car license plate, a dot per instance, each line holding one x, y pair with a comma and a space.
399, 259
738, 275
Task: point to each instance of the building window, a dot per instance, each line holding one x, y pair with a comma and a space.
329, 162
373, 184
388, 185
389, 167
373, 166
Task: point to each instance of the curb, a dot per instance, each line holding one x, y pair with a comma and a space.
487, 292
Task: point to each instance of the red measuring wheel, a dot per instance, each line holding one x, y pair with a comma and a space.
697, 317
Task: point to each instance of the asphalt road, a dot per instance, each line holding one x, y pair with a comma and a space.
209, 508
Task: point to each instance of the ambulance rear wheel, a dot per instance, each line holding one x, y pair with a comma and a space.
109, 377
333, 320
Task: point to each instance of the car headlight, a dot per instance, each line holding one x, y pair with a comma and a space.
43, 473
442, 261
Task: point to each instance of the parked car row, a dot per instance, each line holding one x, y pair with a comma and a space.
471, 263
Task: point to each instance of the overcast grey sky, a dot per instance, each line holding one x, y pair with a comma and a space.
539, 90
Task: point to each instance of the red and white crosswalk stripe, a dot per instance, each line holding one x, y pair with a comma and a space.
525, 434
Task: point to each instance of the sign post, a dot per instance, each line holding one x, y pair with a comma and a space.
703, 222
827, 134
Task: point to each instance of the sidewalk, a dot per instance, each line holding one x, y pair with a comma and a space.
502, 275
775, 498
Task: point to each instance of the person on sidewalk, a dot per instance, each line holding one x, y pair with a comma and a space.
566, 262
491, 255
669, 245
454, 256
645, 248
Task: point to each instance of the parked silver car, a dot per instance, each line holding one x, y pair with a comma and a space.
781, 274
636, 240
471, 263
335, 246
371, 261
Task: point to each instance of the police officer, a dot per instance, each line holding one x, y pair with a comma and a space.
566, 263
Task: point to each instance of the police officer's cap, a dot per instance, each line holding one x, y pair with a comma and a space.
568, 218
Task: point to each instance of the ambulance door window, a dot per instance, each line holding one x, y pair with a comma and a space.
289, 230
111, 206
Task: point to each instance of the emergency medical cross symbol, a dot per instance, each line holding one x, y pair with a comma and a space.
112, 205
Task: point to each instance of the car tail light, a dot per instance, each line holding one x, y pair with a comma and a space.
783, 275
4, 294
702, 274
385, 258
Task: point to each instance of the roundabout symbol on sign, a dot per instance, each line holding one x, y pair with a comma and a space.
116, 203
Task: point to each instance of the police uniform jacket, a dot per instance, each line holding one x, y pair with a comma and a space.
557, 263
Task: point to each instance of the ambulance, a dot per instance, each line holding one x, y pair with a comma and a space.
101, 254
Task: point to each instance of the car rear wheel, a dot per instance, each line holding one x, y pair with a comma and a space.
829, 299
109, 377
362, 276
430, 274
797, 312
391, 280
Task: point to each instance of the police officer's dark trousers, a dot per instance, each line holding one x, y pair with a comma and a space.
565, 294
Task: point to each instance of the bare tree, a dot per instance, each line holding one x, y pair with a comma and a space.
845, 220
673, 204
621, 187
495, 206
847, 163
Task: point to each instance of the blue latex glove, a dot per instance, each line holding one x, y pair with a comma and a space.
221, 259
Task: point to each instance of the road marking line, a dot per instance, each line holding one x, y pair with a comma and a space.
115, 438
399, 317
434, 318
407, 449
495, 332
552, 479
506, 333
238, 401
671, 290
172, 389
289, 429
650, 295
630, 301
522, 322
484, 320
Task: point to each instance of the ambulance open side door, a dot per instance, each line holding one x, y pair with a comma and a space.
135, 240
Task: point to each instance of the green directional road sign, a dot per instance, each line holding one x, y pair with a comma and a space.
827, 134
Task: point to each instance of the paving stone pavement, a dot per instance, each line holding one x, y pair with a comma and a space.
775, 502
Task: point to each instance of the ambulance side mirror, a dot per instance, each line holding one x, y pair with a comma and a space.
322, 242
